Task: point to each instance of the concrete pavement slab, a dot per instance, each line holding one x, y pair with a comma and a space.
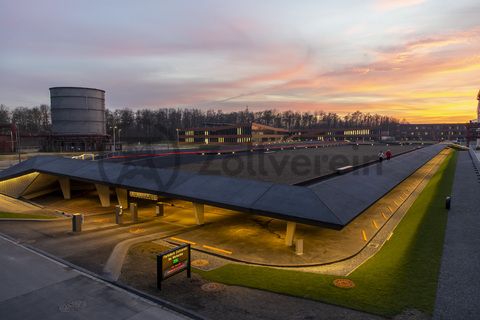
23, 273
36, 287
458, 294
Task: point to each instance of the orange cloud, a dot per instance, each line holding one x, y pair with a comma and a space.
426, 80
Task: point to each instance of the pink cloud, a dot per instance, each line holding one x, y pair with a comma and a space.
387, 5
428, 78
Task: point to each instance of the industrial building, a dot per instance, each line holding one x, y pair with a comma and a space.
257, 133
78, 119
430, 132
8, 137
232, 134
332, 134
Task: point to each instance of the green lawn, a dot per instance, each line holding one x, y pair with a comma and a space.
403, 275
9, 215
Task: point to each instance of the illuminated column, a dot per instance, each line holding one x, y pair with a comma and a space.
291, 226
478, 107
199, 213
122, 197
104, 194
65, 186
478, 121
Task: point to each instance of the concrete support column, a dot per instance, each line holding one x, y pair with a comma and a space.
160, 209
104, 194
134, 211
122, 197
291, 227
65, 186
199, 209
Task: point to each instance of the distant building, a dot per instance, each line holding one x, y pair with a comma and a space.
10, 138
232, 134
258, 133
333, 134
430, 132
472, 131
7, 138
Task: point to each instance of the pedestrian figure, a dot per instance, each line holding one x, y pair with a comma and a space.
388, 154
381, 156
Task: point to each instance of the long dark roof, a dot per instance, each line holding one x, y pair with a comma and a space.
333, 203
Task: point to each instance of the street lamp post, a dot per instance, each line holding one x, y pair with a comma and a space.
119, 140
114, 144
18, 146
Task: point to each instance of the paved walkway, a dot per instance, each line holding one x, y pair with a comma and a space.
9, 204
35, 287
113, 267
458, 294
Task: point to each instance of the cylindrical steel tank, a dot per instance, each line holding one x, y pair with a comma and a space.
77, 111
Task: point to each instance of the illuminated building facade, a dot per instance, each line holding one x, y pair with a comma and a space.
232, 134
332, 134
431, 132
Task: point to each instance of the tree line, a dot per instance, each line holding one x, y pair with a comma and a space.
154, 125
29, 121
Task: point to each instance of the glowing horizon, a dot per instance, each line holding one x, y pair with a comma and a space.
416, 60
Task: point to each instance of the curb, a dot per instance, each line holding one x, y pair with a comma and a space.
33, 220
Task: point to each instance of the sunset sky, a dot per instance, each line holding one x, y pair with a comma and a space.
412, 59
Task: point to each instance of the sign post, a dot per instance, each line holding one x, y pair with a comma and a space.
173, 261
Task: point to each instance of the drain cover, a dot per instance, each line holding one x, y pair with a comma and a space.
212, 287
343, 283
200, 263
72, 306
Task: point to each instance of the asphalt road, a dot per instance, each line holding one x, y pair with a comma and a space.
35, 287
89, 249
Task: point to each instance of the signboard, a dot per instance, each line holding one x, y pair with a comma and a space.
142, 195
173, 261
